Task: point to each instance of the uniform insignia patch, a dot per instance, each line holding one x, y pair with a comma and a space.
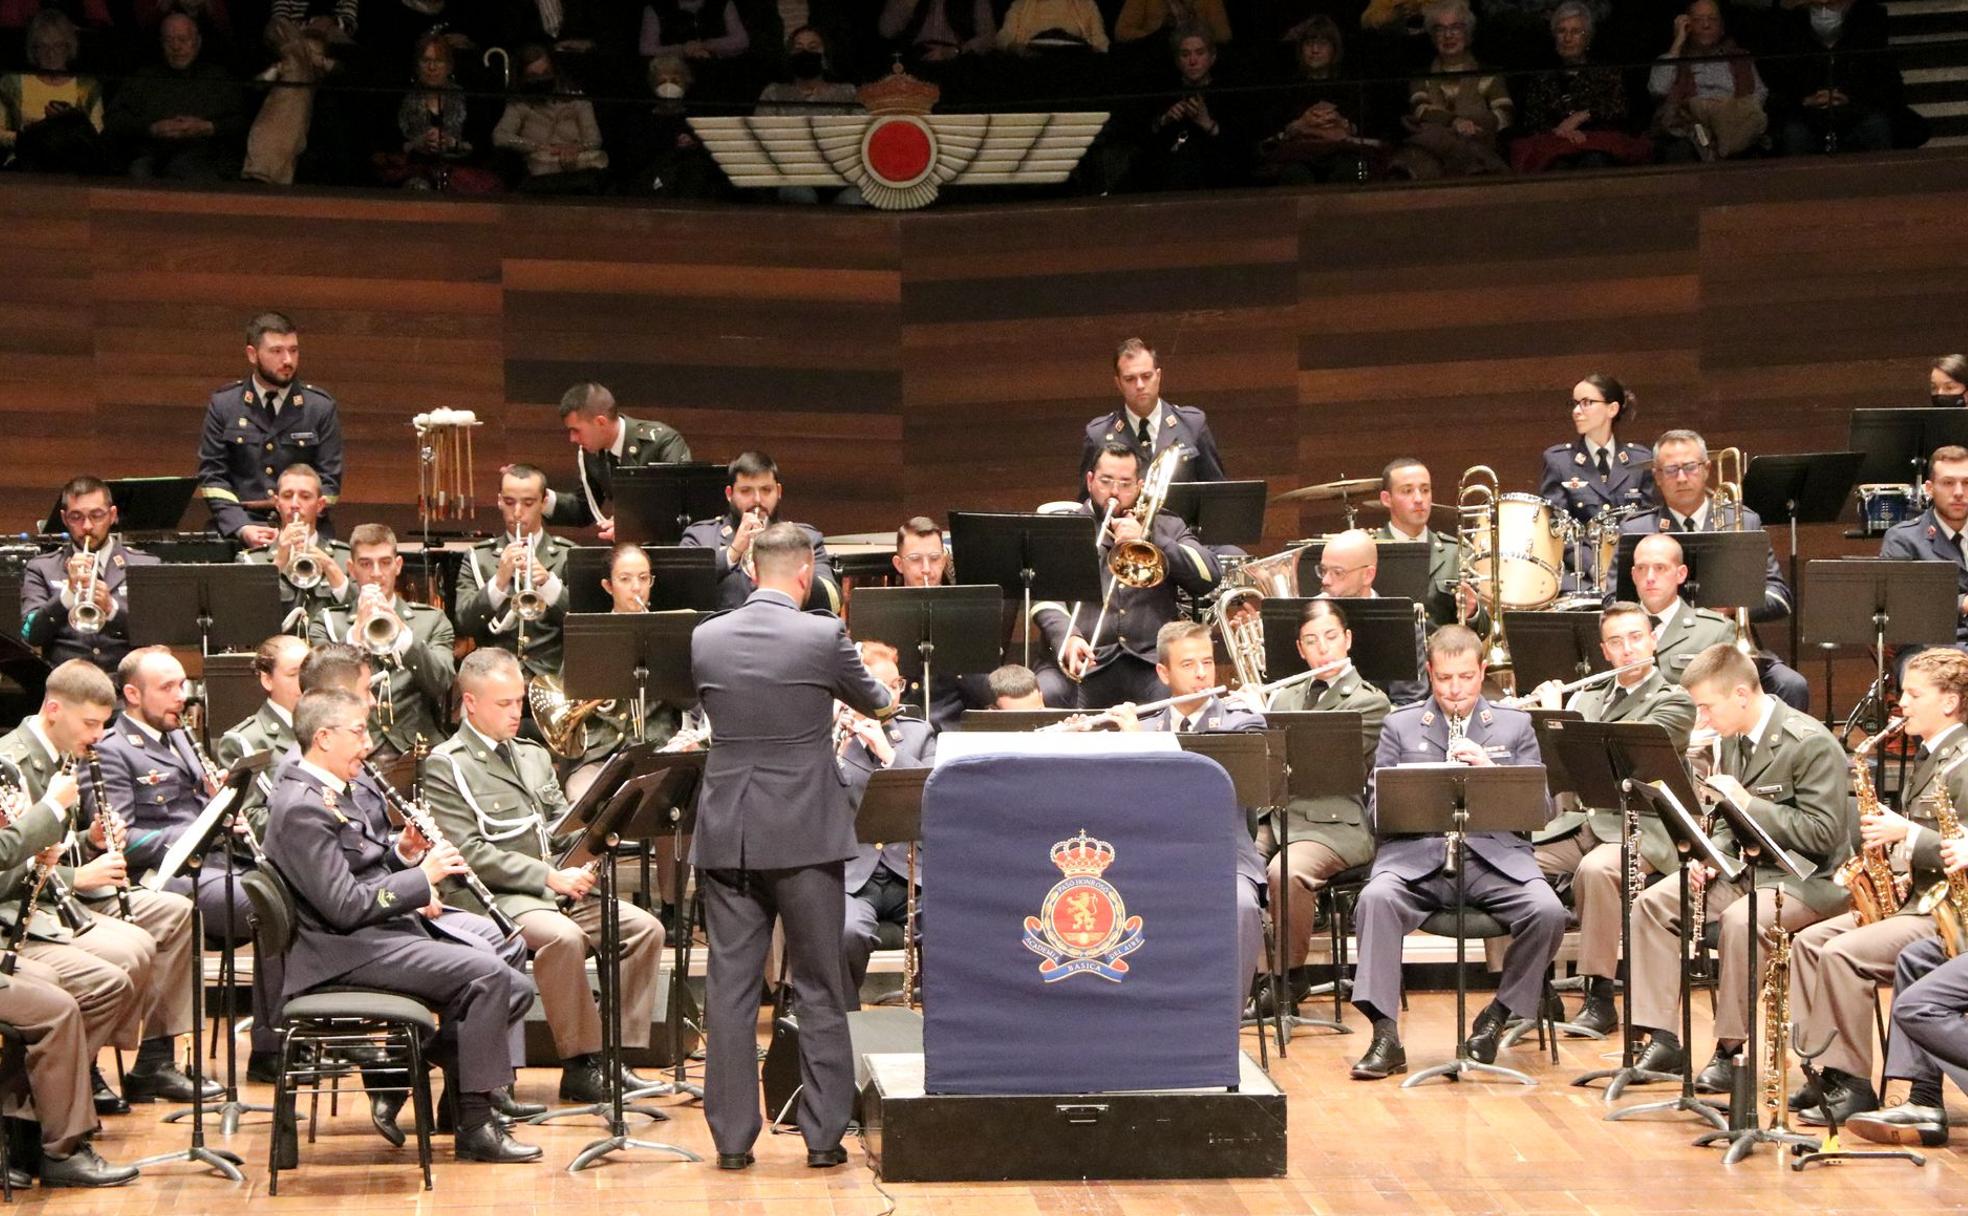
385, 898
1578, 457
1083, 925
150, 778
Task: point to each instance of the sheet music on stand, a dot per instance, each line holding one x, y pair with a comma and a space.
196, 839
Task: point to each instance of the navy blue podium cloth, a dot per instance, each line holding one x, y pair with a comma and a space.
1080, 934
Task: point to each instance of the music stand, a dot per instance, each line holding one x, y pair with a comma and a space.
143, 504
1220, 512
1013, 721
1453, 801
1746, 1129
1877, 602
187, 853
1323, 759
654, 503
1562, 646
1897, 442
1669, 800
1384, 645
635, 813
891, 810
638, 657
1401, 573
222, 607
1051, 557
1725, 569
1799, 488
958, 626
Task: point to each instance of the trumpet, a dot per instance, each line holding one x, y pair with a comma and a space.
527, 602
381, 632
1530, 699
86, 617
748, 563
418, 816
304, 570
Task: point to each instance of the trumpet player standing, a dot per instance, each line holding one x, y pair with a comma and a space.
511, 593
409, 644
1837, 965
313, 569
73, 602
1095, 672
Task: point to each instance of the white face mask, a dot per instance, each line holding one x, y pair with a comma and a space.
670, 90
1826, 21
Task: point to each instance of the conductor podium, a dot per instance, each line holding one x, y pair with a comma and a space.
1080, 987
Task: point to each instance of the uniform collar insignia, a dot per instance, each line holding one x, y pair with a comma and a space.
1428, 717
328, 798
1664, 521
1622, 457
1484, 717
1578, 457
136, 740
1932, 532
117, 561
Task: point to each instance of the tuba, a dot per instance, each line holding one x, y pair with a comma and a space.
1876, 891
562, 722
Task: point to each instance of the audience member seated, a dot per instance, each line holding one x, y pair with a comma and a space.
555, 133
1516, 33
808, 90
935, 31
695, 29
1845, 101
280, 131
435, 154
51, 120
1198, 139
1146, 18
1031, 26
1575, 116
182, 118
1317, 137
661, 155
1711, 97
1457, 111
217, 31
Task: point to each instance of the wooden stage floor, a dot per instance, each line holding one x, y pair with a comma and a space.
1354, 1148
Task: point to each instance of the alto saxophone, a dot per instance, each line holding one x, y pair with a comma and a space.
1947, 901
1876, 891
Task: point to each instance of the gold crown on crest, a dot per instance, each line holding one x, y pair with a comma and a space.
898, 93
1082, 855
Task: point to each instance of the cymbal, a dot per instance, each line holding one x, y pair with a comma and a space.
1326, 491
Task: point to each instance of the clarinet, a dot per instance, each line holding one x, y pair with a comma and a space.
74, 916
116, 830
418, 816
215, 777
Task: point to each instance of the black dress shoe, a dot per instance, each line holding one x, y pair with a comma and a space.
1807, 1096
107, 1100
1598, 1014
491, 1142
1385, 1057
166, 1081
84, 1168
1718, 1078
735, 1161
825, 1158
583, 1082
507, 1106
1903, 1124
384, 1107
18, 1179
1483, 1036
1852, 1096
263, 1067
1663, 1058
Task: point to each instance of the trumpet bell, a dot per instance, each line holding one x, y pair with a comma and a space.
86, 618
304, 573
529, 605
380, 635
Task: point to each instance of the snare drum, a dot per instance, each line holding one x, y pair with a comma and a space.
1882, 504
1532, 543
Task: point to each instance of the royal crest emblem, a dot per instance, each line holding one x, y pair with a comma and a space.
1084, 925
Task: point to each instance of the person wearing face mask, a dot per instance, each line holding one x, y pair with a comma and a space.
1947, 382
808, 91
663, 156
1836, 90
556, 133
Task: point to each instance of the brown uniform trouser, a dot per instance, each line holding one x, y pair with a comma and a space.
1309, 863
164, 1007
108, 971
560, 942
1836, 967
1595, 869
1657, 953
58, 1055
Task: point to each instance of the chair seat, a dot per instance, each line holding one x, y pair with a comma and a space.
1475, 924
360, 1003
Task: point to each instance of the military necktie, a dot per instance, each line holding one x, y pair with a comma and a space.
1146, 435
1605, 469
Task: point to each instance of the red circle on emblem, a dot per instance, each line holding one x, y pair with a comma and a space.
1083, 918
898, 151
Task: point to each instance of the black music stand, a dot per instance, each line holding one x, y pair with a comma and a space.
143, 504
1671, 801
1562, 646
1220, 512
1746, 1129
1725, 569
1384, 649
1897, 442
634, 656
1013, 721
891, 810
1799, 488
1051, 557
1453, 801
1402, 571
655, 503
1323, 759
957, 626
634, 813
220, 607
188, 853
1876, 602
681, 578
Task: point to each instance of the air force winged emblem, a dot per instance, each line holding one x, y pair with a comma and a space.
1084, 925
898, 154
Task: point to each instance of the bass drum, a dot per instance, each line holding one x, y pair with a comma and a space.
1532, 542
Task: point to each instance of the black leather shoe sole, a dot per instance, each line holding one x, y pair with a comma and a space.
735, 1161
1892, 1131
825, 1158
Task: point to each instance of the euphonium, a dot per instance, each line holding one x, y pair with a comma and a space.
86, 617
1876, 891
1947, 900
1239, 620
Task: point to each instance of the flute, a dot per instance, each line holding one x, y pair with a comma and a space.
1108, 715
1531, 698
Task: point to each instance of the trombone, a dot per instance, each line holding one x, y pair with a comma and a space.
86, 617
1137, 563
1729, 493
1479, 538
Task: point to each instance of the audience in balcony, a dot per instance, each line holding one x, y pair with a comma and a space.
554, 132
1711, 96
279, 134
1458, 109
1846, 103
934, 31
661, 156
1198, 136
1575, 116
182, 118
1316, 137
1039, 25
436, 153
1140, 19
51, 119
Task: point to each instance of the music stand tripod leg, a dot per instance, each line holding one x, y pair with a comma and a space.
679, 976
1686, 1100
